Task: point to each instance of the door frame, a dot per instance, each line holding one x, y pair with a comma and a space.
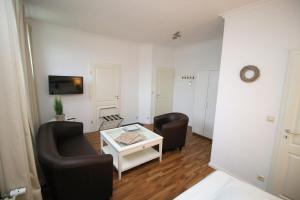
92, 92
272, 183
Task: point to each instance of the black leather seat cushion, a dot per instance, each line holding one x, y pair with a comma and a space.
75, 146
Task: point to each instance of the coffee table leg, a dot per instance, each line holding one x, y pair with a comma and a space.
120, 166
160, 152
101, 145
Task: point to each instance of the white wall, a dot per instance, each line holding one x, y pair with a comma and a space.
145, 82
163, 56
62, 51
261, 35
204, 55
151, 57
189, 60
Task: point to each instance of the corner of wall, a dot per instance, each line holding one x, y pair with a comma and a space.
244, 8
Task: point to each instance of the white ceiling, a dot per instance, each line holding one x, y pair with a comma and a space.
152, 21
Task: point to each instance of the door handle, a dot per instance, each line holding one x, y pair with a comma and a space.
288, 131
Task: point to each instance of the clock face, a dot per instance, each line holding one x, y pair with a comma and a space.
249, 73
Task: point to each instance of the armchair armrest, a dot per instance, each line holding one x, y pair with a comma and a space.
91, 175
82, 161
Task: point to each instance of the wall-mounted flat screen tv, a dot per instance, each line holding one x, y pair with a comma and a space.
65, 84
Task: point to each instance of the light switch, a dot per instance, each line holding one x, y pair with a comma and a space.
270, 119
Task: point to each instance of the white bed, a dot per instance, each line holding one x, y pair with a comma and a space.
221, 186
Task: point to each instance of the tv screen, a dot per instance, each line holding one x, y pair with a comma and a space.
65, 84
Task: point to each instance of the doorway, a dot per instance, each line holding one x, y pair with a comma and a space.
105, 91
164, 90
285, 177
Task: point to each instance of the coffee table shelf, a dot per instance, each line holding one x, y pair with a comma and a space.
132, 160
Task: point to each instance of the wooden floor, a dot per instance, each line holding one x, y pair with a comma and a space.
178, 171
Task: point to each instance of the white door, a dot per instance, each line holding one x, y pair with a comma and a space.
205, 99
286, 175
106, 96
199, 109
211, 102
164, 90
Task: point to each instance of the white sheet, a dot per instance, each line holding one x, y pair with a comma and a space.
221, 186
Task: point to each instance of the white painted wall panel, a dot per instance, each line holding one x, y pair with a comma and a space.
261, 35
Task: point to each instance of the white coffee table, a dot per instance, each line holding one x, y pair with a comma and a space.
128, 156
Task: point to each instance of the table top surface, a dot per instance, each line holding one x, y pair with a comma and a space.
111, 134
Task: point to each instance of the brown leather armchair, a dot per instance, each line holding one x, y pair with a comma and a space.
172, 127
71, 166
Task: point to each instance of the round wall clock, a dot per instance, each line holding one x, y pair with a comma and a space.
249, 73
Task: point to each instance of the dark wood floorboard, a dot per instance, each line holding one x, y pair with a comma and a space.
178, 171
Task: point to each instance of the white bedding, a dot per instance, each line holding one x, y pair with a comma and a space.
221, 186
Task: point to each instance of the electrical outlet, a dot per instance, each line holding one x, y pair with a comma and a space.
260, 178
270, 119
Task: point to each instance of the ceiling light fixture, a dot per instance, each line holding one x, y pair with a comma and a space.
176, 35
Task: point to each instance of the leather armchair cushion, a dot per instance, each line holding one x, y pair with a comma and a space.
172, 127
75, 146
